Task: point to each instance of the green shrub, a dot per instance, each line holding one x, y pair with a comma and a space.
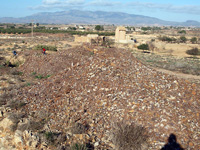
43, 30
78, 146
42, 77
183, 39
28, 84
34, 73
182, 32
194, 51
143, 47
146, 28
167, 39
39, 76
91, 53
193, 40
49, 136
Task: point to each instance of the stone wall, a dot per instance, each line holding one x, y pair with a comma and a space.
84, 39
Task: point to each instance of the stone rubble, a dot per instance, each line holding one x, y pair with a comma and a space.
98, 89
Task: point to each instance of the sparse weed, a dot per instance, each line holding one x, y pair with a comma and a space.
39, 77
47, 76
49, 136
128, 136
17, 73
91, 53
34, 73
78, 146
32, 125
16, 104
42, 77
189, 65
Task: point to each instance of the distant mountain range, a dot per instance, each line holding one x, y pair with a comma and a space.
95, 17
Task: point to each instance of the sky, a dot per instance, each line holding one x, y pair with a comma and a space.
169, 10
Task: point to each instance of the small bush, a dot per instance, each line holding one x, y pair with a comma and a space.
194, 51
183, 39
143, 47
167, 39
128, 136
49, 136
182, 32
78, 146
193, 40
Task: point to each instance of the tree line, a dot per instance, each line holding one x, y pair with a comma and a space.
54, 31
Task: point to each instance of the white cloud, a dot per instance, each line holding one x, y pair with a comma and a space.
60, 4
75, 2
50, 2
63, 2
188, 9
117, 6
104, 3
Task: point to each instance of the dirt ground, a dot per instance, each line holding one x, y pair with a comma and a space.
165, 48
8, 43
95, 86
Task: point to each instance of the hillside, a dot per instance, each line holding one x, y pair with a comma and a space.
95, 17
91, 88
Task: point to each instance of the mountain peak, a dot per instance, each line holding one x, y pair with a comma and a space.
95, 17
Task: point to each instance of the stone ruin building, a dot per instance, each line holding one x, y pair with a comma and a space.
122, 37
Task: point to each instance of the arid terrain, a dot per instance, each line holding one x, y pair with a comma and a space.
97, 97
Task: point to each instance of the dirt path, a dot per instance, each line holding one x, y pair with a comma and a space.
193, 78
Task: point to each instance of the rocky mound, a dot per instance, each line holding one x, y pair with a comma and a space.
91, 88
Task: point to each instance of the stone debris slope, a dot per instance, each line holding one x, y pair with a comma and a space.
99, 86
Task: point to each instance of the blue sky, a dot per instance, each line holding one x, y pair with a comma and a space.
170, 10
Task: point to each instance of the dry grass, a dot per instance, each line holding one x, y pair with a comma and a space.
79, 128
16, 104
194, 51
32, 125
129, 136
183, 65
